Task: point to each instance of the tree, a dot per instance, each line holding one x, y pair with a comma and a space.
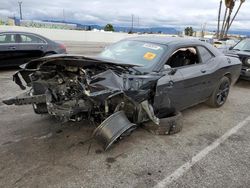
189, 31
237, 11
109, 27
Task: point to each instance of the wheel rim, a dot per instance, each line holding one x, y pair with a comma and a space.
222, 93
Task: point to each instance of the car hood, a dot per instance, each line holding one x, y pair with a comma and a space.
239, 53
78, 60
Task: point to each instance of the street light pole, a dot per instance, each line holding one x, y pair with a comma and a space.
20, 9
132, 26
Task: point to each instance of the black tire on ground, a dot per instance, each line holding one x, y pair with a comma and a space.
168, 126
220, 94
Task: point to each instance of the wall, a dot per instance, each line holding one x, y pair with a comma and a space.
72, 35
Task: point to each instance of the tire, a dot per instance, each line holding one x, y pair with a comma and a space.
168, 126
220, 94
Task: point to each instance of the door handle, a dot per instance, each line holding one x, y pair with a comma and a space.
203, 71
170, 84
41, 47
12, 48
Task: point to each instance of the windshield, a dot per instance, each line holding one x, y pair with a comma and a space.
243, 45
144, 54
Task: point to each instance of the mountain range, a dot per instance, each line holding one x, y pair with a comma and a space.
165, 30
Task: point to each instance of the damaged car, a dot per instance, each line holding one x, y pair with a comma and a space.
242, 49
132, 82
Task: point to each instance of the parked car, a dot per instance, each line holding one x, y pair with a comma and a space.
17, 48
242, 49
207, 40
137, 80
223, 45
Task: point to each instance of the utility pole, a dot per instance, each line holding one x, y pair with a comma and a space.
138, 21
218, 26
63, 15
20, 9
132, 26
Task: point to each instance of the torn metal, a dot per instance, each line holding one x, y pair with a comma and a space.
73, 88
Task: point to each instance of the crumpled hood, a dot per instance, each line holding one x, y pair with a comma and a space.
77, 60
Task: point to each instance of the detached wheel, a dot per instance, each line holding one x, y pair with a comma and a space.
220, 94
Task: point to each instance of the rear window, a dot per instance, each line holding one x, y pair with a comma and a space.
217, 42
31, 39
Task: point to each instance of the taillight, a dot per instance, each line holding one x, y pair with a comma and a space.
62, 46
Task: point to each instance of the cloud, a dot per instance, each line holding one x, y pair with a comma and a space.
179, 13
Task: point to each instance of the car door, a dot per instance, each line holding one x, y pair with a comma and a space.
169, 96
8, 50
188, 81
197, 78
31, 47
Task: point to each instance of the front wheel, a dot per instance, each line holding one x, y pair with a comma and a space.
220, 94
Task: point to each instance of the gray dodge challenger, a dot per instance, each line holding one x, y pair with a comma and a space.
132, 82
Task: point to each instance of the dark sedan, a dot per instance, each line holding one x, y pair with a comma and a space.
17, 48
131, 82
242, 49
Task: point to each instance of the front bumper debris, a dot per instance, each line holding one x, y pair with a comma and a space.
25, 99
245, 73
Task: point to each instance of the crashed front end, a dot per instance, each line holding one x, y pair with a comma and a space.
74, 88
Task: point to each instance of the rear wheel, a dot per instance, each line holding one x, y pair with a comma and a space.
220, 94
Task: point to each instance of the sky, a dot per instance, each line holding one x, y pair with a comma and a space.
151, 13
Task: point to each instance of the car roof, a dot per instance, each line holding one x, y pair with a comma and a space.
23, 32
167, 40
176, 41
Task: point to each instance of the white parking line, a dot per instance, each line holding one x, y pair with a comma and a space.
184, 168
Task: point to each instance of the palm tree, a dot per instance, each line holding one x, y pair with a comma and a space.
229, 25
218, 26
231, 7
228, 4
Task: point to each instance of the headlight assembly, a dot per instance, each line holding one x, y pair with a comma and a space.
247, 61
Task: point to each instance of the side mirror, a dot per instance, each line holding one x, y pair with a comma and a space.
171, 71
167, 67
230, 48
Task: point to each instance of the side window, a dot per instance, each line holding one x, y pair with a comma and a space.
183, 57
31, 39
204, 54
7, 38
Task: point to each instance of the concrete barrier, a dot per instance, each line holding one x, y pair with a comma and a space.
72, 35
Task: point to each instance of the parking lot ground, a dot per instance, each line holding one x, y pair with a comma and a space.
39, 151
